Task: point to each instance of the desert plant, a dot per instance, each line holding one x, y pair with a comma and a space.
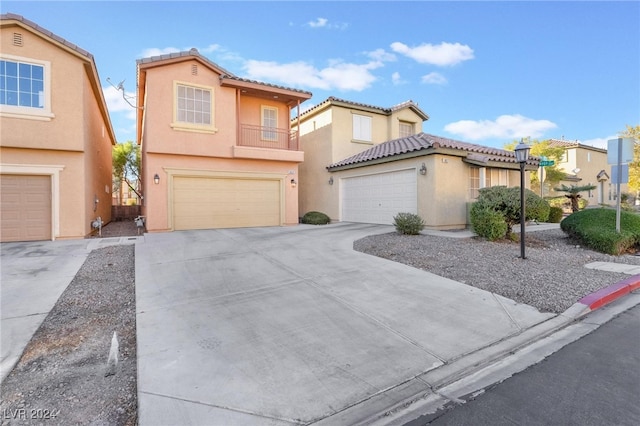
507, 202
316, 218
487, 223
555, 214
573, 193
408, 223
596, 229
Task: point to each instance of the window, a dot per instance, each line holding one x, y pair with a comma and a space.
269, 123
406, 129
24, 87
194, 105
361, 128
474, 182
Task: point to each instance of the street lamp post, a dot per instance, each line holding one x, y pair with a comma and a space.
522, 154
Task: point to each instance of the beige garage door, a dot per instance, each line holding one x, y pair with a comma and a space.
25, 208
204, 203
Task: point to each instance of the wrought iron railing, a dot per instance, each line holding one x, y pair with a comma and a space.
268, 137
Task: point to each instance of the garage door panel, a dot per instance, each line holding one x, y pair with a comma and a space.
25, 206
204, 203
377, 198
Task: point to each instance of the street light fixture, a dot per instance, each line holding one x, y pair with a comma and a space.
522, 154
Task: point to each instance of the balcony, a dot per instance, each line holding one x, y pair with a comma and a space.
268, 137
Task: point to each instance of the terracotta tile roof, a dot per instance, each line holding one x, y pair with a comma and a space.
386, 111
223, 72
424, 141
561, 143
36, 27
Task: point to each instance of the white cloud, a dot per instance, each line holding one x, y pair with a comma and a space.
442, 54
396, 79
338, 75
318, 23
504, 127
117, 104
210, 48
324, 23
381, 55
434, 78
599, 142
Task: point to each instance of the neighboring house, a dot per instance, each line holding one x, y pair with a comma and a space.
124, 195
217, 150
336, 129
424, 174
587, 165
55, 149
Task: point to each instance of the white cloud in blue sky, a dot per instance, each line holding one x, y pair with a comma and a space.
324, 23
434, 78
443, 54
505, 127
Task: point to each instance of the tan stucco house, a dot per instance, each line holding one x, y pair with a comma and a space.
587, 165
398, 169
56, 136
217, 150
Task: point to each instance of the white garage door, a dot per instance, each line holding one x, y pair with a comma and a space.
25, 208
205, 203
378, 198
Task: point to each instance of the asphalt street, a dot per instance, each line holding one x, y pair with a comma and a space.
593, 381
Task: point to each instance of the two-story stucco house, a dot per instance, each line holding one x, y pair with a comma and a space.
587, 165
367, 164
217, 150
56, 136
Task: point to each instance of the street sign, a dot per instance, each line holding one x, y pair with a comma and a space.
620, 174
546, 163
620, 151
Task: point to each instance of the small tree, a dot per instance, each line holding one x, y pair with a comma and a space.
126, 165
573, 193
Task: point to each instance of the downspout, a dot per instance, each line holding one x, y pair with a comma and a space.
237, 117
298, 126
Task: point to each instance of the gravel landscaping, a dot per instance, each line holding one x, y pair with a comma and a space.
551, 278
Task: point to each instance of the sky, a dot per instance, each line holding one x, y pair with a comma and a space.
484, 72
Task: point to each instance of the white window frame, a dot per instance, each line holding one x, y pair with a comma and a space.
186, 125
31, 113
474, 182
408, 129
269, 124
362, 128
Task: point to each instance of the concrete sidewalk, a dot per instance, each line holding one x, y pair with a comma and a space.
34, 275
292, 326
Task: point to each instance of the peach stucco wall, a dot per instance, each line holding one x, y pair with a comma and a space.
171, 151
76, 138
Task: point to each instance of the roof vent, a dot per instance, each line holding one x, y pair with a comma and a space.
17, 39
194, 69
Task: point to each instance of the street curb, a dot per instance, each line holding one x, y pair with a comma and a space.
606, 295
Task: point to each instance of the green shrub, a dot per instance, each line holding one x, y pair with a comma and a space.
316, 218
596, 229
487, 223
408, 223
507, 202
555, 214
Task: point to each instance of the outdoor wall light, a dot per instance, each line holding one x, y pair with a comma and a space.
423, 169
156, 179
522, 154
331, 180
294, 183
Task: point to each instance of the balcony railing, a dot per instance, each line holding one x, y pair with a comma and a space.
268, 137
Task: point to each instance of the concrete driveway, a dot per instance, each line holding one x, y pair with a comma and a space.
292, 326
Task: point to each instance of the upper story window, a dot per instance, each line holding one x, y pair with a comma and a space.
406, 129
193, 107
24, 88
361, 128
269, 123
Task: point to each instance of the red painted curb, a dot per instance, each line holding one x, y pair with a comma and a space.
609, 294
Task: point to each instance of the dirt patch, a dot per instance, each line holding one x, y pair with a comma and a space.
62, 376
